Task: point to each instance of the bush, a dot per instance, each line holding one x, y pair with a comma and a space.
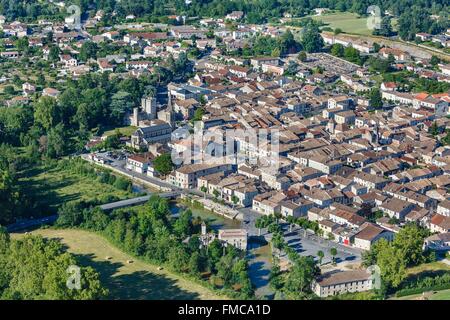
122, 184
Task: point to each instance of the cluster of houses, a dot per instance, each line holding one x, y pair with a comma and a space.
360, 175
338, 163
442, 39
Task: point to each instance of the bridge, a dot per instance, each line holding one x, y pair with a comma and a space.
137, 201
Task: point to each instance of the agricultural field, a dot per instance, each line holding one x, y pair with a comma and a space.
124, 276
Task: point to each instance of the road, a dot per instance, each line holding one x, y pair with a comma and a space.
26, 224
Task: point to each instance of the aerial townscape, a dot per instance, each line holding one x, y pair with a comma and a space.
198, 149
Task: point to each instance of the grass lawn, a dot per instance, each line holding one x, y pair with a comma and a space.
429, 267
126, 131
439, 295
136, 280
49, 187
346, 21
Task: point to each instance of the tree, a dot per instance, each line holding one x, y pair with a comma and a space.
320, 254
287, 44
88, 51
235, 200
333, 252
121, 104
291, 68
163, 163
183, 225
351, 54
56, 141
53, 54
311, 40
278, 241
301, 275
36, 268
413, 21
22, 44
9, 90
46, 112
204, 190
275, 279
178, 258
216, 193
409, 241
385, 29
195, 263
337, 50
302, 56
376, 47
9, 196
337, 31
393, 258
259, 223
391, 262
198, 115
375, 99
434, 61
434, 130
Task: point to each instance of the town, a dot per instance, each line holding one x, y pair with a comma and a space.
330, 150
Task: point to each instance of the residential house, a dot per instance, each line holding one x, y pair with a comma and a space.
340, 282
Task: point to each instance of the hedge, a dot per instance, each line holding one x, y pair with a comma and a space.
411, 291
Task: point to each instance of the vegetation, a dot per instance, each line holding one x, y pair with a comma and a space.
152, 235
43, 188
137, 280
36, 268
394, 258
163, 163
269, 46
295, 284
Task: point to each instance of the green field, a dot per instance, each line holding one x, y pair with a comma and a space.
126, 131
135, 280
439, 295
50, 186
429, 267
348, 22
